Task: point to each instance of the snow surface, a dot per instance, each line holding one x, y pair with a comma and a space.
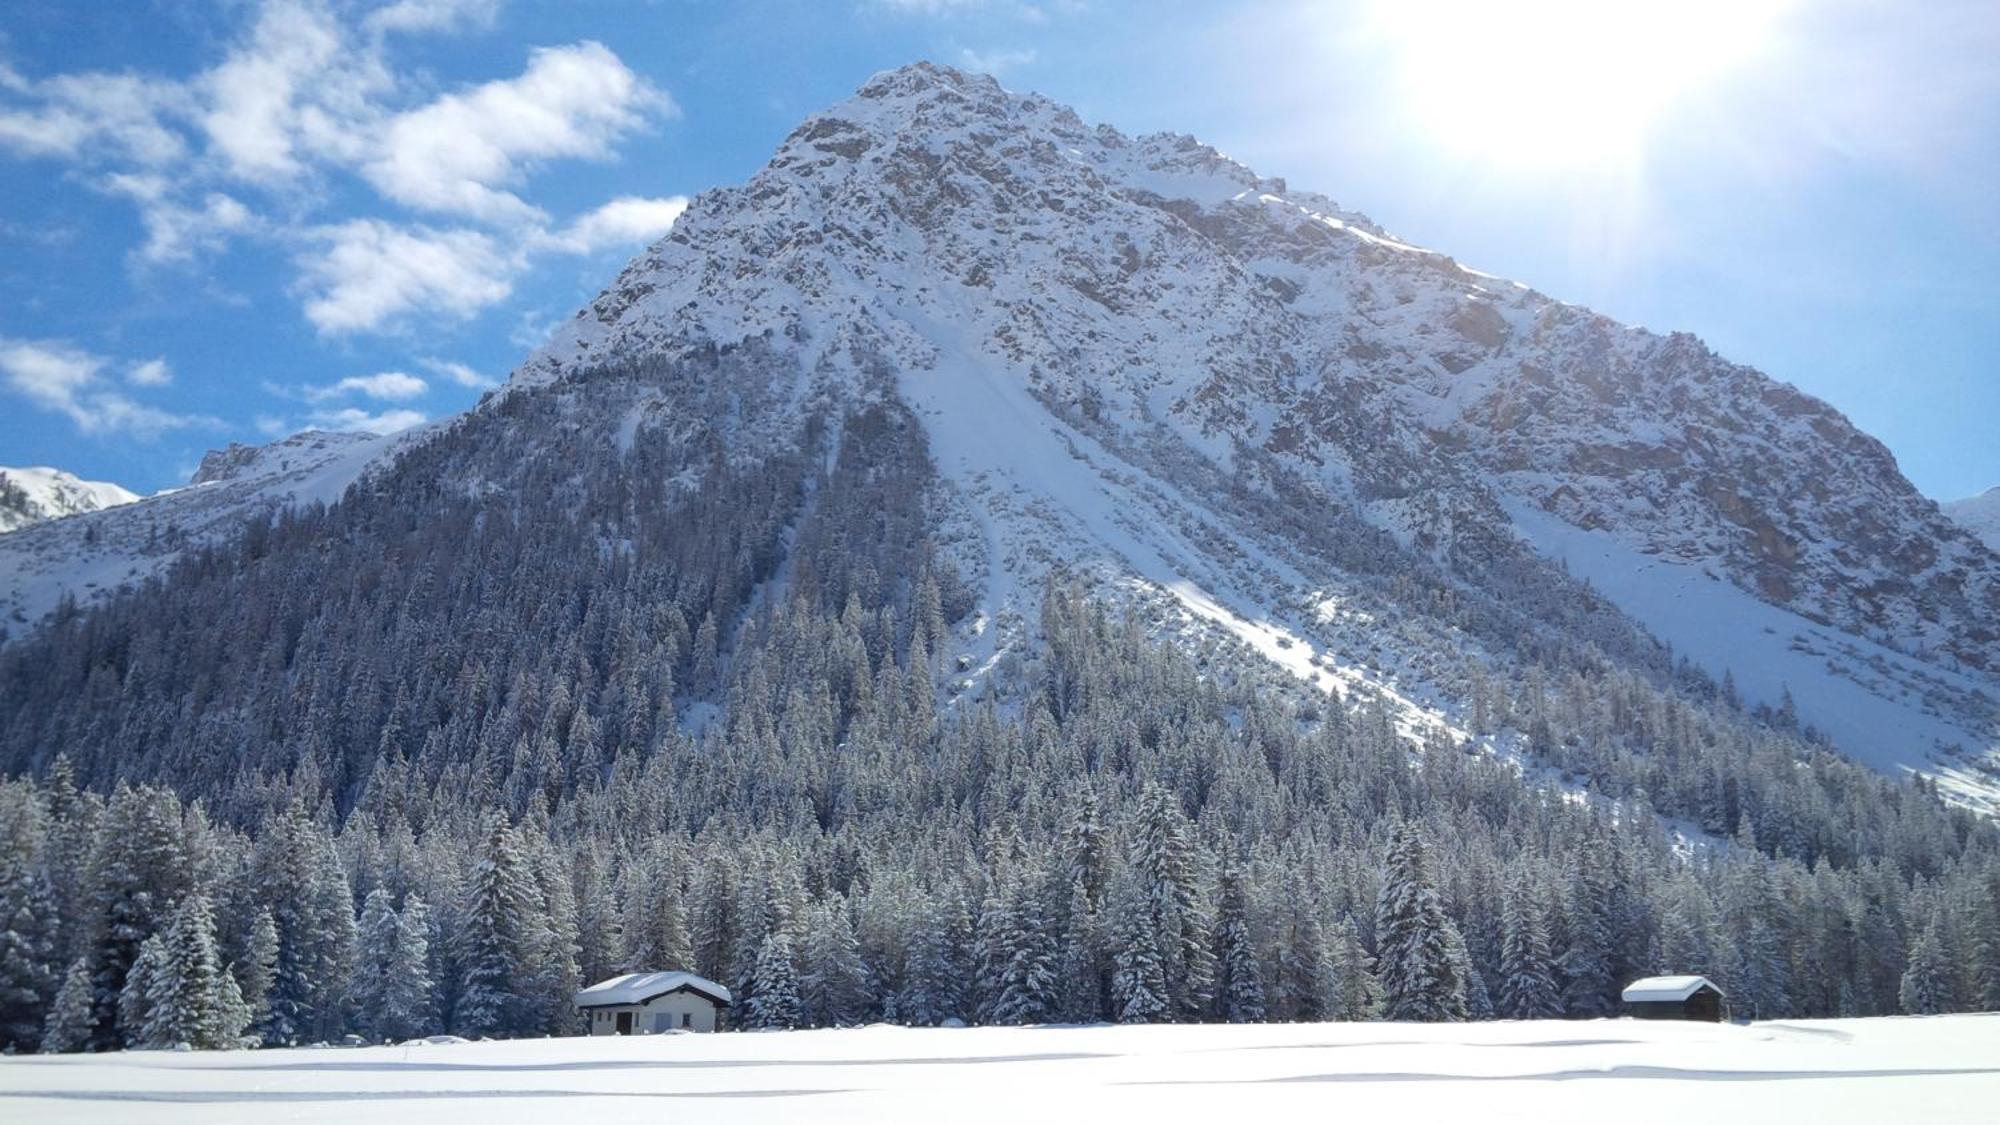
1940, 1069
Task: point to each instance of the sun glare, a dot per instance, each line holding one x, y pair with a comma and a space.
1562, 84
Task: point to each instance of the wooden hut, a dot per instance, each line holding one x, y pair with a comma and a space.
1674, 998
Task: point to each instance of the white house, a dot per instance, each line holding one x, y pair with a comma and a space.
648, 1003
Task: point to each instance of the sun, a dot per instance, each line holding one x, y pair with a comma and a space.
1561, 85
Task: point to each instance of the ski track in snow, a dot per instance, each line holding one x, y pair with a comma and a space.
1941, 1069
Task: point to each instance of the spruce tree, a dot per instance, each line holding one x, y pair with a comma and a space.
774, 1003
1139, 980
257, 971
28, 967
72, 1013
1527, 983
190, 998
1240, 980
1420, 983
833, 979
1926, 986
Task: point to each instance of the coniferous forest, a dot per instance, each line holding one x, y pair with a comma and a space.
500, 725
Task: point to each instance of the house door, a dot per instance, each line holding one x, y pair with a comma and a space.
624, 1023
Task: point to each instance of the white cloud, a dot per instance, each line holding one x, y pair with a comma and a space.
64, 379
372, 273
151, 373
94, 114
458, 373
351, 418
629, 220
259, 100
245, 148
394, 386
432, 15
453, 154
176, 231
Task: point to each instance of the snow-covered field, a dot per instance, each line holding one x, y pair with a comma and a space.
1938, 1069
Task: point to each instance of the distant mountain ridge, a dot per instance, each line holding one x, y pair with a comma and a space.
31, 495
1979, 515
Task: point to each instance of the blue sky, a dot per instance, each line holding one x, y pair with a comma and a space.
224, 220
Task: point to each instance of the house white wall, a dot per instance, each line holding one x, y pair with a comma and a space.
662, 1013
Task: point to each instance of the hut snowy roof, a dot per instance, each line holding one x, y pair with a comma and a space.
1665, 989
637, 988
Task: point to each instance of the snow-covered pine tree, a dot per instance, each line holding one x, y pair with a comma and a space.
1420, 983
1926, 987
1240, 977
1081, 970
28, 968
1357, 990
774, 1003
1587, 989
1478, 1001
257, 971
1028, 991
931, 981
191, 998
1305, 975
72, 1013
138, 867
392, 985
1168, 860
495, 941
1138, 980
1527, 980
375, 946
833, 979
135, 1000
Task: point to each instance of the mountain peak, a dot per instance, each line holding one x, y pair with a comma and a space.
923, 78
31, 495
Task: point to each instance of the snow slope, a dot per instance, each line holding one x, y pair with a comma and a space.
1938, 1070
90, 557
32, 495
1882, 707
1978, 514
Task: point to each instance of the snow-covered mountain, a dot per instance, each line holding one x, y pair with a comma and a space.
1136, 354
1979, 515
1283, 434
115, 547
32, 495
